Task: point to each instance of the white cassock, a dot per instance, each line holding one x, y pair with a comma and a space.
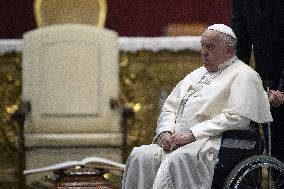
207, 104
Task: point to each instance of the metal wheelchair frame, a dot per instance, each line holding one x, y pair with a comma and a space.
258, 171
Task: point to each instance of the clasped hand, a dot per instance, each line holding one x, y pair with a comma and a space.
276, 98
171, 142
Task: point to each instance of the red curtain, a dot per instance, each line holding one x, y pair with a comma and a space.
149, 18
127, 17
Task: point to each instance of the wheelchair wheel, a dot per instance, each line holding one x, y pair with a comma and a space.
256, 172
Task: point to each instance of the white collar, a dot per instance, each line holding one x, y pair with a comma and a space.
227, 63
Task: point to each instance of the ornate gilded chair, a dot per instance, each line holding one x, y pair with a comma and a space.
49, 12
70, 77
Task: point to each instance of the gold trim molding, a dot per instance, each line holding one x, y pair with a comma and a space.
49, 12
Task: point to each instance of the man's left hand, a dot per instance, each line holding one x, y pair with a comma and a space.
276, 98
181, 139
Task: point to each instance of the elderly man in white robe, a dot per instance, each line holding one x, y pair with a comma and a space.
224, 94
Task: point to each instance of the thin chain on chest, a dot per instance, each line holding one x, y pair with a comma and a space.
192, 90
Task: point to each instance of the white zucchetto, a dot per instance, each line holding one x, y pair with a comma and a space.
223, 29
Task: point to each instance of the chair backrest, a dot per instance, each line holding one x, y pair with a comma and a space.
70, 74
49, 12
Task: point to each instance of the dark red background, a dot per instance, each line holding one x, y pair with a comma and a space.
127, 17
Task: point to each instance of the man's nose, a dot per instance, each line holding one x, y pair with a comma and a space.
204, 51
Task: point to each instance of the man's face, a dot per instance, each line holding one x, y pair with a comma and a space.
214, 51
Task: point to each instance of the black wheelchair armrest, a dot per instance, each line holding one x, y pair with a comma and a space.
247, 141
236, 145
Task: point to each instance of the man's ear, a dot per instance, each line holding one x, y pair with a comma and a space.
230, 49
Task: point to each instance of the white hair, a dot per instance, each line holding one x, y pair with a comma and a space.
229, 40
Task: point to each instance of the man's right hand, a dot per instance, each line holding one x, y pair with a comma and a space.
165, 141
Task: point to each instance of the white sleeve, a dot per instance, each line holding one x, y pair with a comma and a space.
218, 124
166, 120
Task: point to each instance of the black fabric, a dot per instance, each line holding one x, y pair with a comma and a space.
260, 23
247, 143
281, 82
277, 131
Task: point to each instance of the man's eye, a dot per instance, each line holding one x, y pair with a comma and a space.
210, 47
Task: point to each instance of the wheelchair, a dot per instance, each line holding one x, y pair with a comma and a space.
245, 161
